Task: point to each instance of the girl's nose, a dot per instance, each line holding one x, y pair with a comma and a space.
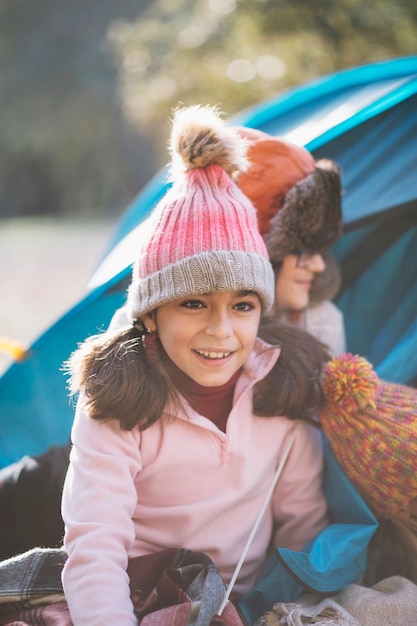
219, 324
316, 263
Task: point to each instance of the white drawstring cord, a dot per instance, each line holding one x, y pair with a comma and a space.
257, 521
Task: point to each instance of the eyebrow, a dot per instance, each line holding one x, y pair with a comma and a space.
239, 294
247, 292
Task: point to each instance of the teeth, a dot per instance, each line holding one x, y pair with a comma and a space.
213, 355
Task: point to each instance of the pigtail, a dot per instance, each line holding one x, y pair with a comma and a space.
292, 388
117, 380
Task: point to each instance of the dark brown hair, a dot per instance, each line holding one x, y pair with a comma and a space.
292, 388
393, 549
119, 381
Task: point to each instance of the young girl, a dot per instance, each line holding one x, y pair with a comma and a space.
298, 203
180, 423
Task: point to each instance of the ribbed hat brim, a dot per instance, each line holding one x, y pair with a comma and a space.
215, 271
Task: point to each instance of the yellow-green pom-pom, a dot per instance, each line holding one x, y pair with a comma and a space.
350, 382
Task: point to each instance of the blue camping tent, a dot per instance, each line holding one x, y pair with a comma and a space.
366, 119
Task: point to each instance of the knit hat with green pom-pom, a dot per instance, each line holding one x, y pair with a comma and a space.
372, 429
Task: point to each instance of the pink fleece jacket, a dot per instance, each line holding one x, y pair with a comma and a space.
184, 483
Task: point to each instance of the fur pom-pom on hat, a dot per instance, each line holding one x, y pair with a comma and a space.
200, 138
350, 383
203, 236
372, 428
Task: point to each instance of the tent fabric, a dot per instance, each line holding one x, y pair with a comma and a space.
315, 115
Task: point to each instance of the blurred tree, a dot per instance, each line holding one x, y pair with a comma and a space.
66, 146
87, 89
238, 52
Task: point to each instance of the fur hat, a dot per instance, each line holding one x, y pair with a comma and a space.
203, 235
298, 201
372, 428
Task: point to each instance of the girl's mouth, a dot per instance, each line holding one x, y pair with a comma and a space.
206, 354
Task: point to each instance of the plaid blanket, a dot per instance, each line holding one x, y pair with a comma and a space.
30, 579
177, 587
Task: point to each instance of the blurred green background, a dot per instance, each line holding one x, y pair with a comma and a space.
87, 88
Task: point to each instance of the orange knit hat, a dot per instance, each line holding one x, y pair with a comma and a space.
297, 199
372, 428
275, 167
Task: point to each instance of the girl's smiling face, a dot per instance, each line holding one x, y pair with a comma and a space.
209, 336
293, 283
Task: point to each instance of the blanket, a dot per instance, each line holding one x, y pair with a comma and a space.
391, 602
178, 587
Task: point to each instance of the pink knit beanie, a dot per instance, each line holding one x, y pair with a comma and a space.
203, 235
372, 428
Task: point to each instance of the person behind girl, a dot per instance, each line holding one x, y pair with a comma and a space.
298, 202
184, 413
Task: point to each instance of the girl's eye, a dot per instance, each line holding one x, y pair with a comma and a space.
192, 304
244, 306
